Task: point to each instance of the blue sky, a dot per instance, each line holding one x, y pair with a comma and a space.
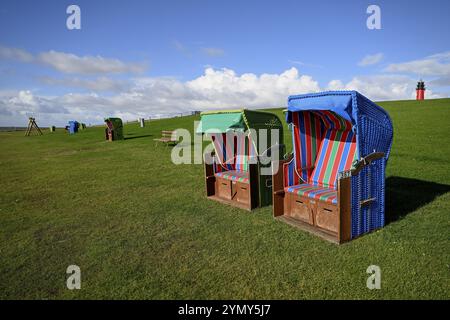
160, 57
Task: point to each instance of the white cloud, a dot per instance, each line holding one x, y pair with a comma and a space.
335, 85
213, 52
371, 59
441, 82
215, 89
73, 64
88, 65
434, 65
98, 84
15, 54
221, 88
209, 51
304, 64
383, 87
24, 103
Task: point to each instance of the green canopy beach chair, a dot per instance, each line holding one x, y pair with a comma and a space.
234, 171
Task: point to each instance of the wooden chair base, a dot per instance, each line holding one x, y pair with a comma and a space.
239, 194
232, 192
314, 216
330, 221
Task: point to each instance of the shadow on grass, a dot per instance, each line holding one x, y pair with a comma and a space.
137, 137
405, 195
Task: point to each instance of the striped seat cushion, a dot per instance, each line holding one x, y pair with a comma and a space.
234, 175
314, 192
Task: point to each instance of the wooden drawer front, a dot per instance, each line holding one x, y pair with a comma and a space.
223, 188
243, 192
327, 217
300, 209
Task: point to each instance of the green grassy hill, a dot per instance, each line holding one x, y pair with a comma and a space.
140, 227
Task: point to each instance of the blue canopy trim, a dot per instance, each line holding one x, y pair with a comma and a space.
340, 102
370, 122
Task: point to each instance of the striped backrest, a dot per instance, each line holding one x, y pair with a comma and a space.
242, 152
307, 136
109, 124
233, 150
224, 150
290, 176
337, 150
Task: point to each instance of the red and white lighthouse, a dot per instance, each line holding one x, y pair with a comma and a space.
420, 90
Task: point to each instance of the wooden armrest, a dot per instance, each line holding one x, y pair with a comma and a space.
279, 192
366, 161
366, 202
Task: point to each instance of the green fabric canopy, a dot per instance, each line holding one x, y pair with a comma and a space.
116, 122
240, 120
221, 122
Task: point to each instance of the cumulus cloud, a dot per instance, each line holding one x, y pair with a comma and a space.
160, 96
434, 65
224, 87
24, 103
99, 84
382, 87
371, 59
73, 64
304, 64
335, 85
15, 54
213, 52
145, 96
441, 82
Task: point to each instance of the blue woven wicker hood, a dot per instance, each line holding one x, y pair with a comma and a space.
371, 123
340, 102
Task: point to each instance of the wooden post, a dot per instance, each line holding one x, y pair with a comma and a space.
278, 188
344, 203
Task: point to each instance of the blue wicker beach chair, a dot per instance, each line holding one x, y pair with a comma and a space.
334, 182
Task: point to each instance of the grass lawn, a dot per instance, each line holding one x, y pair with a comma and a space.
141, 227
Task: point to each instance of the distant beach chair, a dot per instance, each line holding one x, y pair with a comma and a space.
114, 129
73, 126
